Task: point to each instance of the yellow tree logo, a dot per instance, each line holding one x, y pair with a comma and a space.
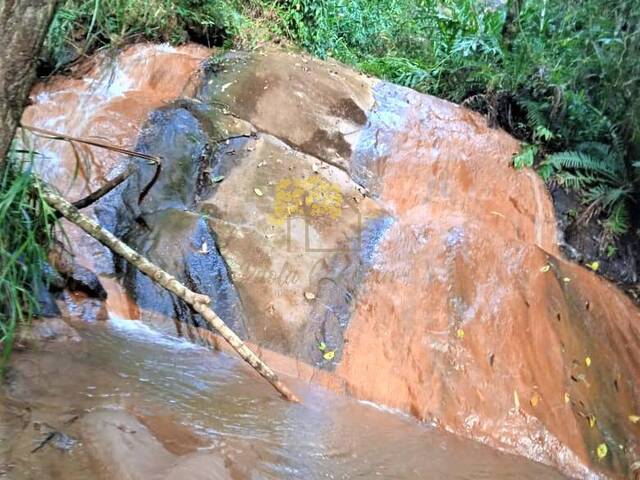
306, 197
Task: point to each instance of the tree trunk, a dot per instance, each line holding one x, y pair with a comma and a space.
23, 28
197, 301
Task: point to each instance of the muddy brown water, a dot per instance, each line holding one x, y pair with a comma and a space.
196, 400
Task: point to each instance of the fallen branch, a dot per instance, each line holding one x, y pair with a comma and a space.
93, 197
42, 132
197, 301
50, 134
103, 190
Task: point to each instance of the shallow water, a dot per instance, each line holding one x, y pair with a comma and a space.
198, 400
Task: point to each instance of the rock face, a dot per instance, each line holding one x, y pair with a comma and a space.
383, 235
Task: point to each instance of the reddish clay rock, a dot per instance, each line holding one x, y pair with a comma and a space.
450, 300
109, 102
458, 319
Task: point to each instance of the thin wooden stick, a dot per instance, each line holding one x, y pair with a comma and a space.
41, 132
93, 197
197, 301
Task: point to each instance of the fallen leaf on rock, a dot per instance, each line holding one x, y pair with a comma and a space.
594, 266
258, 192
587, 361
534, 400
217, 178
602, 451
634, 418
309, 295
546, 268
322, 346
516, 400
592, 420
460, 333
567, 398
566, 279
329, 355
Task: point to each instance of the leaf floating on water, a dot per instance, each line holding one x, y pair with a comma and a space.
329, 355
217, 178
322, 346
546, 268
534, 400
587, 361
634, 418
258, 192
204, 249
602, 451
594, 265
516, 400
460, 333
567, 398
309, 295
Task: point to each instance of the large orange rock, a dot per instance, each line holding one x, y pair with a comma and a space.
383, 235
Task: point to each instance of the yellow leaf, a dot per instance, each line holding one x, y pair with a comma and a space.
534, 400
546, 268
460, 333
594, 266
592, 420
602, 450
258, 192
309, 295
322, 346
634, 418
329, 355
567, 398
566, 279
516, 400
587, 361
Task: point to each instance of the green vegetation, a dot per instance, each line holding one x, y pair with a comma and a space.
25, 238
82, 26
562, 76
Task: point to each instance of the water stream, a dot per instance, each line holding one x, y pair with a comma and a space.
196, 400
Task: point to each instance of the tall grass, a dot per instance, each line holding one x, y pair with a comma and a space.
26, 224
80, 27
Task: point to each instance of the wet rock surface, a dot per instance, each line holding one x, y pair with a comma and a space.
48, 330
127, 450
382, 234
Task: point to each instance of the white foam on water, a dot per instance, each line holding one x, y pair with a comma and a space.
139, 329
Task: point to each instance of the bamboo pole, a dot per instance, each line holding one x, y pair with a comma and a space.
197, 301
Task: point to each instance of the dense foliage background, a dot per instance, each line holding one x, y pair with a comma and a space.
563, 76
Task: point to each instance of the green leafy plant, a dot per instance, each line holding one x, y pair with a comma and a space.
526, 157
601, 176
26, 224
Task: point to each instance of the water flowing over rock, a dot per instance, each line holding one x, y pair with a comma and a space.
370, 231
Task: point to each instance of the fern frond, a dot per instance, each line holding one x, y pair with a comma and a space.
575, 160
574, 180
618, 222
